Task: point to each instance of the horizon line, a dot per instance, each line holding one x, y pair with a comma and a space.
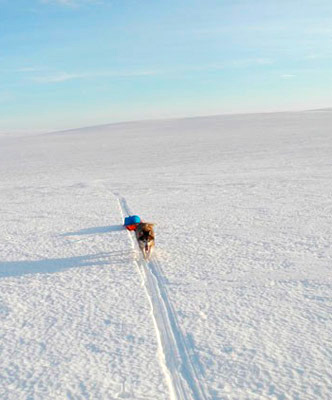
40, 132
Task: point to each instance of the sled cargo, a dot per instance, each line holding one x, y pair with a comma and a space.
132, 222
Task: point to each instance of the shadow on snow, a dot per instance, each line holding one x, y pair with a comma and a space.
95, 230
52, 265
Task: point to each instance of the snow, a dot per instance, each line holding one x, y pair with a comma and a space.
235, 303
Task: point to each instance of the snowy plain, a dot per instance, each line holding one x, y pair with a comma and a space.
235, 304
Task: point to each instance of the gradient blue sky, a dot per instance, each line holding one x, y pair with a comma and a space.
73, 63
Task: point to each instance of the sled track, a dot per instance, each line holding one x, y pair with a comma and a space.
175, 358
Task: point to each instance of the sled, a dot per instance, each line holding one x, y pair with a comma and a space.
132, 222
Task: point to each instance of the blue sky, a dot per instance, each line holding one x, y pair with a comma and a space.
73, 63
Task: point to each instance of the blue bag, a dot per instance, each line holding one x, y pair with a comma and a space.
132, 219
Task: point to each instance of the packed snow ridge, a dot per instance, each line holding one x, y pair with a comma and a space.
235, 303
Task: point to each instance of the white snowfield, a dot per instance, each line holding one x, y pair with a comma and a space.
235, 303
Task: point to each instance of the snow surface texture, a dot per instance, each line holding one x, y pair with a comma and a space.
236, 301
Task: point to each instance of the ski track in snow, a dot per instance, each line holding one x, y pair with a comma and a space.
175, 358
